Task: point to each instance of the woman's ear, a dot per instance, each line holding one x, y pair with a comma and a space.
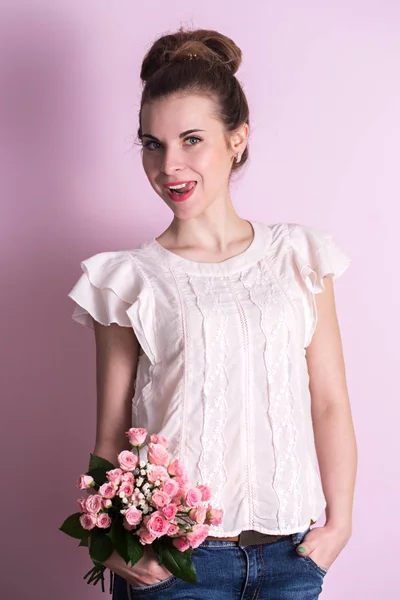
239, 138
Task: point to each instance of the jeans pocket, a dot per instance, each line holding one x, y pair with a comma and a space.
313, 564
133, 591
297, 538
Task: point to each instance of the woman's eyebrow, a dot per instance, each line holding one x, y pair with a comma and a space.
181, 135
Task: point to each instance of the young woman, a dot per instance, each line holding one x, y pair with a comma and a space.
221, 334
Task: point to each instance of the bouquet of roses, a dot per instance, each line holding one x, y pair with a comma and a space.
141, 502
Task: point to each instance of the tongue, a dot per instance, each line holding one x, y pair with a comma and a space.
187, 188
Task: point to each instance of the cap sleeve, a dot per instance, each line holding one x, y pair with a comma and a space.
112, 289
317, 255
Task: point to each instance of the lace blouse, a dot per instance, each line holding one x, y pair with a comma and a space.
222, 369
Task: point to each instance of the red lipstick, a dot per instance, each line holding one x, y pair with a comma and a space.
177, 195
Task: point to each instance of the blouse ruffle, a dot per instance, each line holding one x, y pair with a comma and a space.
316, 255
112, 289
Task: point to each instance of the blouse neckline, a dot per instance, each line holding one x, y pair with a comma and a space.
253, 253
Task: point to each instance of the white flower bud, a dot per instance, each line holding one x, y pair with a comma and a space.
125, 500
143, 472
139, 481
157, 483
141, 496
142, 464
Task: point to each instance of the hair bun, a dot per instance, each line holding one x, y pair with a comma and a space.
201, 44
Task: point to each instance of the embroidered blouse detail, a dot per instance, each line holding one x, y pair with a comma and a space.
222, 370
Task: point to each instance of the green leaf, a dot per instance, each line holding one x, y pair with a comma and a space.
101, 546
134, 547
179, 563
97, 462
99, 474
117, 534
72, 526
84, 542
157, 545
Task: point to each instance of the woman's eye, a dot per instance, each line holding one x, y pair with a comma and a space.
148, 144
193, 137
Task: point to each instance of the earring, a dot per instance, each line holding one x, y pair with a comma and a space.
239, 156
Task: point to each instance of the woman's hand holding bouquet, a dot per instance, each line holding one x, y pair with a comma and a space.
141, 503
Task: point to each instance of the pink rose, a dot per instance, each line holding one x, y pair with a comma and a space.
182, 479
85, 482
133, 516
88, 521
103, 521
157, 524
82, 504
93, 503
198, 514
160, 499
169, 511
205, 492
128, 476
127, 460
181, 543
198, 535
145, 537
214, 516
173, 529
170, 487
181, 493
126, 488
192, 497
176, 468
157, 454
107, 490
106, 503
136, 436
159, 439
157, 473
114, 476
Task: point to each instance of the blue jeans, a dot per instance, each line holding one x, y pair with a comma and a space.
227, 571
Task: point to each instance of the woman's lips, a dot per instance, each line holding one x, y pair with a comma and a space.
181, 197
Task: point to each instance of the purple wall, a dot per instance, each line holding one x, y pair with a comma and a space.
323, 86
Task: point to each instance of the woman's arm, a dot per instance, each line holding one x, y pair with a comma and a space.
333, 432
117, 352
331, 414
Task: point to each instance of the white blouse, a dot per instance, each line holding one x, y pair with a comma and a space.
222, 370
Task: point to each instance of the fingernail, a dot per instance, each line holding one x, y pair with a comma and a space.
301, 549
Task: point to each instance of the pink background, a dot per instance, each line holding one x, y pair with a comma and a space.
322, 79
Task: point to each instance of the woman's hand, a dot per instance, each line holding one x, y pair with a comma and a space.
324, 544
147, 571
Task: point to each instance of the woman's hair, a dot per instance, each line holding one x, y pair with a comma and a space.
201, 61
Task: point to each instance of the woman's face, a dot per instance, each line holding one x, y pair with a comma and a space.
184, 142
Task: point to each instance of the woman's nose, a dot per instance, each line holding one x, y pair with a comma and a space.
172, 161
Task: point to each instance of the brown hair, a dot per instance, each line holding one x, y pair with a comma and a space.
169, 67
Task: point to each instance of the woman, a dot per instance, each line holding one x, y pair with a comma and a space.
224, 332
